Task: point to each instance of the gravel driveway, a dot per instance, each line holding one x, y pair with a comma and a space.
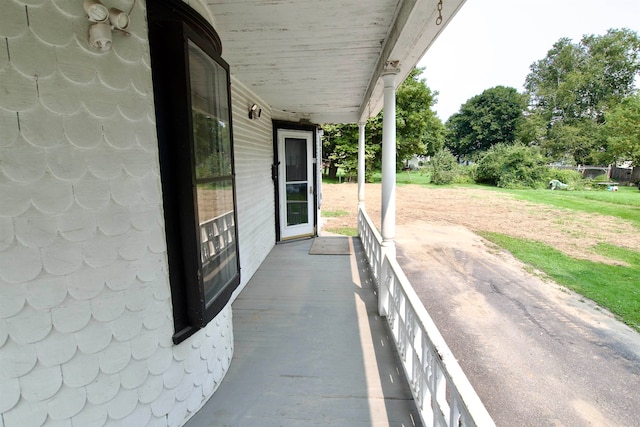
537, 354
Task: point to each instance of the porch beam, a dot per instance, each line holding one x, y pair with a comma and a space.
361, 164
404, 11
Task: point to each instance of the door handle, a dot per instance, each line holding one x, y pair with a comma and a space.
311, 189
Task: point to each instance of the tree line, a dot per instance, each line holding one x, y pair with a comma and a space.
580, 106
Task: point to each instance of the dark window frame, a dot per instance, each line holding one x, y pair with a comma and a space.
172, 25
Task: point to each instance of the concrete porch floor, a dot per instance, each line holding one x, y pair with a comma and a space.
310, 349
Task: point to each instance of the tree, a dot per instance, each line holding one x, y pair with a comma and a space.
577, 81
613, 62
577, 141
622, 130
533, 129
418, 129
339, 149
575, 85
551, 83
485, 120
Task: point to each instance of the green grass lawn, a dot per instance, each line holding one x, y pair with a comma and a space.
345, 231
624, 203
615, 287
334, 214
403, 178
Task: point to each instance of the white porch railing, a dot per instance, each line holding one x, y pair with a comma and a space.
441, 390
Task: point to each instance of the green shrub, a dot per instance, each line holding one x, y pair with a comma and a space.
513, 166
466, 174
443, 167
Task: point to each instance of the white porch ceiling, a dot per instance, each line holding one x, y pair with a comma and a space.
321, 60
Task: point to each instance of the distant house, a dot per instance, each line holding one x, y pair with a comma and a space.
416, 162
146, 172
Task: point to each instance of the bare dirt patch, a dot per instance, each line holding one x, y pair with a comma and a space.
573, 233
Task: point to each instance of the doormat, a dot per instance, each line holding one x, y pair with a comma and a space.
334, 245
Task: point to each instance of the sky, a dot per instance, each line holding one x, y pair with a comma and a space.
494, 42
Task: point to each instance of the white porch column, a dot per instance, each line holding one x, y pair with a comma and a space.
361, 169
388, 185
389, 160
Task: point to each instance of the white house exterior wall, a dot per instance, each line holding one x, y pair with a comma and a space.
85, 308
253, 149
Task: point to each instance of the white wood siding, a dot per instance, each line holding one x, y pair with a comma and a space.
253, 149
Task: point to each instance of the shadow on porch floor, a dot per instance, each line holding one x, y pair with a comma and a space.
310, 349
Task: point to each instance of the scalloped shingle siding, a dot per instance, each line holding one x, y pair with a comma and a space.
85, 305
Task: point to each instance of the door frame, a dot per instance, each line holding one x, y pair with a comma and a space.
312, 130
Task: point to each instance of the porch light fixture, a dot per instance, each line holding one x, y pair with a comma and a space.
100, 36
255, 112
104, 20
96, 11
119, 19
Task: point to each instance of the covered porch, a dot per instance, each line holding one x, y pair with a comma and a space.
339, 340
310, 348
104, 318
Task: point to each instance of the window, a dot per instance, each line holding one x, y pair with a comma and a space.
193, 120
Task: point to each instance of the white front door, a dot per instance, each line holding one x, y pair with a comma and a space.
295, 151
